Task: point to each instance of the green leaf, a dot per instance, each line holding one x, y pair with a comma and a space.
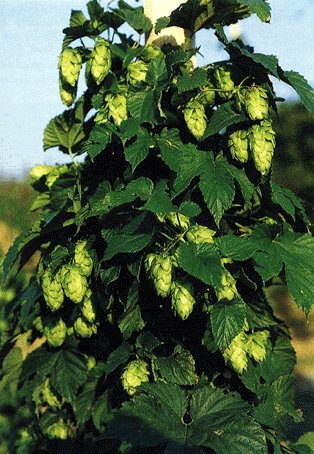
237, 248
287, 200
139, 149
269, 62
161, 23
135, 18
68, 374
146, 343
178, 368
143, 105
246, 187
201, 261
170, 145
131, 320
223, 117
259, 7
191, 81
159, 201
301, 86
98, 139
157, 74
227, 320
307, 439
11, 370
84, 402
217, 187
193, 162
66, 130
77, 18
118, 357
190, 209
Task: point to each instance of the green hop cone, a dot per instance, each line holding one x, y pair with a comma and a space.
134, 375
67, 93
207, 95
100, 60
178, 221
38, 324
70, 63
57, 430
200, 234
88, 308
195, 118
117, 109
52, 290
236, 354
83, 258
48, 396
55, 332
151, 52
83, 328
37, 172
136, 73
256, 102
160, 272
256, 345
223, 81
54, 174
182, 297
228, 291
91, 362
74, 282
262, 145
239, 145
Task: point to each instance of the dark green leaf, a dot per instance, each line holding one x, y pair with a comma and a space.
98, 139
11, 370
84, 402
259, 7
246, 187
287, 200
237, 248
159, 201
222, 117
77, 18
190, 209
301, 86
170, 145
118, 357
161, 23
269, 62
227, 320
157, 74
139, 149
143, 105
191, 81
178, 368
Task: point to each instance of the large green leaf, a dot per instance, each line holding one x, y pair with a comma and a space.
287, 200
118, 357
227, 320
144, 105
138, 150
223, 117
191, 81
159, 201
170, 145
98, 139
178, 368
126, 243
259, 7
235, 247
301, 86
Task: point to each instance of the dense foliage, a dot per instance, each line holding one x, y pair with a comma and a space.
146, 329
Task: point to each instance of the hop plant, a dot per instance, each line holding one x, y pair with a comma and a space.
48, 396
67, 93
52, 290
228, 291
74, 282
134, 375
195, 118
151, 52
207, 95
100, 60
182, 297
87, 308
224, 82
137, 73
37, 172
256, 102
55, 331
57, 430
159, 269
256, 345
178, 221
70, 63
239, 145
83, 258
236, 353
262, 145
200, 234
83, 328
117, 109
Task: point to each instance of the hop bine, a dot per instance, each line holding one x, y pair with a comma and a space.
134, 375
159, 269
256, 102
195, 118
182, 297
100, 61
262, 145
239, 145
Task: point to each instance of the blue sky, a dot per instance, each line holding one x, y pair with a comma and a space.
30, 42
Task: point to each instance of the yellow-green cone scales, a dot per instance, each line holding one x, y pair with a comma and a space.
182, 297
134, 375
256, 102
195, 118
262, 145
100, 61
239, 145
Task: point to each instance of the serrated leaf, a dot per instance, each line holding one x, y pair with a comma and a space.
246, 187
139, 149
178, 368
135, 18
146, 343
227, 320
131, 320
259, 7
269, 62
118, 357
159, 201
201, 261
170, 145
190, 209
84, 403
301, 86
98, 139
237, 248
77, 18
126, 244
191, 81
157, 74
161, 23
217, 187
192, 164
10, 370
144, 106
68, 374
223, 117
287, 200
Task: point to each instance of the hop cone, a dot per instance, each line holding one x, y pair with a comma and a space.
100, 61
223, 81
134, 374
67, 93
52, 290
70, 63
55, 332
195, 118
256, 102
160, 271
207, 95
57, 430
83, 328
262, 145
39, 171
48, 396
178, 221
229, 289
182, 296
256, 345
83, 258
200, 234
88, 309
117, 108
137, 73
239, 145
151, 52
74, 283
236, 353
